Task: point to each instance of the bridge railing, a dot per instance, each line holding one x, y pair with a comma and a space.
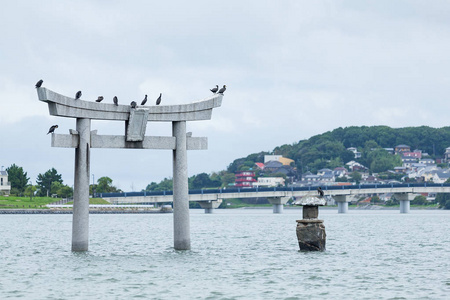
274, 189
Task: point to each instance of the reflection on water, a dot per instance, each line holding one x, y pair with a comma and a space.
236, 254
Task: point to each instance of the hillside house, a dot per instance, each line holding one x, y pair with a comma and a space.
340, 172
447, 154
355, 152
269, 182
402, 148
439, 176
416, 154
244, 179
355, 166
427, 161
407, 161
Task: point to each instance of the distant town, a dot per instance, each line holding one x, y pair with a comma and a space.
417, 166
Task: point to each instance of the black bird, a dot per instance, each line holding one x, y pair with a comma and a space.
78, 95
144, 101
222, 90
133, 104
158, 101
99, 99
214, 90
116, 101
39, 83
52, 129
319, 190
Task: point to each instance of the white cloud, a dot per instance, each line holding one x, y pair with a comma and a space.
293, 69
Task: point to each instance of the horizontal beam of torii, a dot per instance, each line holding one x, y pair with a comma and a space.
62, 106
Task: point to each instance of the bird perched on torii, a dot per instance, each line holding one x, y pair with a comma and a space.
214, 90
158, 101
39, 83
222, 90
144, 101
52, 129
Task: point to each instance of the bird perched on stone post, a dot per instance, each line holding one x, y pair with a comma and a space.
320, 191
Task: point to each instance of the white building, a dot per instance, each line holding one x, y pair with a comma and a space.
5, 186
355, 151
269, 181
268, 158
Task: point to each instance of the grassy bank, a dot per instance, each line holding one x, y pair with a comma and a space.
13, 202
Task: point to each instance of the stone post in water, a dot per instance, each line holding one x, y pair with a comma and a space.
310, 230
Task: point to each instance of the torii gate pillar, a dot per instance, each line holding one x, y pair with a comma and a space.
80, 219
181, 227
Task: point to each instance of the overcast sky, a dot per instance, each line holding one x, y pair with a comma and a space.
293, 69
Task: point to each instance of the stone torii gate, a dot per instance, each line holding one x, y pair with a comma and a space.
83, 139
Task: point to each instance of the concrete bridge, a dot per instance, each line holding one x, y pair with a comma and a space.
209, 199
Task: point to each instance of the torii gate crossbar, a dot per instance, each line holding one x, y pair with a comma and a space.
83, 139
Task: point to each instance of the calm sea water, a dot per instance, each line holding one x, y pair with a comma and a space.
236, 254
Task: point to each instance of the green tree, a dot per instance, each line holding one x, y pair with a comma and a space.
61, 190
200, 181
65, 191
104, 185
30, 191
443, 198
447, 204
18, 178
165, 185
44, 181
419, 200
228, 178
355, 177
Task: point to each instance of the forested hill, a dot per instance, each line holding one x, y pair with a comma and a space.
330, 148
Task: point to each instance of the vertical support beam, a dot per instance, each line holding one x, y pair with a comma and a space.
181, 225
278, 204
342, 203
80, 219
209, 206
404, 199
404, 206
277, 208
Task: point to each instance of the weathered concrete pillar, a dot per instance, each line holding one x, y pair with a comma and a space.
209, 206
278, 203
310, 231
404, 206
181, 225
404, 199
342, 203
80, 223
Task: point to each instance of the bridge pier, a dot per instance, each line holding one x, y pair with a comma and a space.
209, 206
278, 203
405, 200
342, 203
